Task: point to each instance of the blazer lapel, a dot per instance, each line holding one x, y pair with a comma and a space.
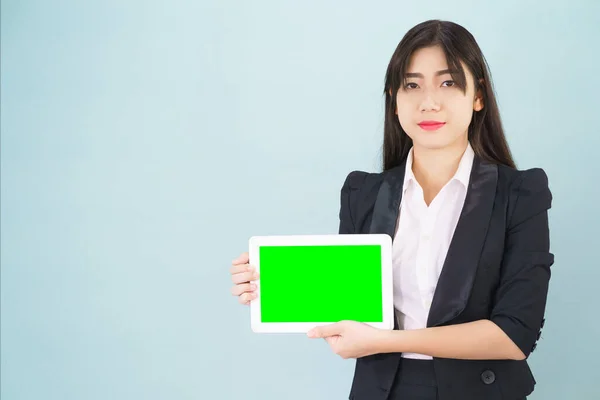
387, 203
460, 266
387, 207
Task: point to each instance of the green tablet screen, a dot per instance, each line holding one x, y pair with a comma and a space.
320, 283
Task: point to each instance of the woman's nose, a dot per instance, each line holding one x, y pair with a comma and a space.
429, 103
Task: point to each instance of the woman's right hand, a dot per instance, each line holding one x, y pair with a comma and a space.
243, 275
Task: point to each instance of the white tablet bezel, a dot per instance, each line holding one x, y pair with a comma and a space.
338, 239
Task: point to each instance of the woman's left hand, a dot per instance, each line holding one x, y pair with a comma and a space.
350, 339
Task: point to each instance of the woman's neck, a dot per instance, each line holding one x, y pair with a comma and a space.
433, 168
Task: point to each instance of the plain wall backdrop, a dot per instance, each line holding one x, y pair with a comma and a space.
144, 142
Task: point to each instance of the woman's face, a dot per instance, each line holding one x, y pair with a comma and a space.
433, 110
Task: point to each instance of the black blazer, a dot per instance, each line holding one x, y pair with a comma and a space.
497, 268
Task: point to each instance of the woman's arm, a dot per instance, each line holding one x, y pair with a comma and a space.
478, 340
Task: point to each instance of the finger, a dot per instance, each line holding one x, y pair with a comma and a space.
242, 259
331, 340
237, 268
243, 288
244, 277
245, 298
325, 331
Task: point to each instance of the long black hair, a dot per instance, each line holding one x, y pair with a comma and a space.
485, 133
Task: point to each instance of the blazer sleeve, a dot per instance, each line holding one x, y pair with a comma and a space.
520, 300
348, 200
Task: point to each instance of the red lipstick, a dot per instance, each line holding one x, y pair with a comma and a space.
431, 125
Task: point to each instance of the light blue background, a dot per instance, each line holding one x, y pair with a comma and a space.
144, 142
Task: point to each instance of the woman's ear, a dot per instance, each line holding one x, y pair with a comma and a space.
478, 102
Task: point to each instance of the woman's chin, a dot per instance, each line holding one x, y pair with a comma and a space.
437, 140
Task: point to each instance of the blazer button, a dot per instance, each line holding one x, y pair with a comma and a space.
488, 377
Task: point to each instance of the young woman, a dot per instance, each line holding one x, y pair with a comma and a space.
470, 235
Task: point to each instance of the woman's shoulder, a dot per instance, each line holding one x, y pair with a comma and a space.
528, 190
530, 180
362, 180
358, 194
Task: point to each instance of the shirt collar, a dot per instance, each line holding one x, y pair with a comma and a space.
462, 174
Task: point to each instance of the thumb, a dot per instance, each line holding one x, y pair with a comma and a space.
325, 331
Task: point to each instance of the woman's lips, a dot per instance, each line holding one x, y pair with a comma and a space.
431, 125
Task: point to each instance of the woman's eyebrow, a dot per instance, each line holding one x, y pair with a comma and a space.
420, 75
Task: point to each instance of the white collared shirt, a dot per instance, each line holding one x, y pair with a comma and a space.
421, 242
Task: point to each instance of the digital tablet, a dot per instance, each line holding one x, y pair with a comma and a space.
311, 280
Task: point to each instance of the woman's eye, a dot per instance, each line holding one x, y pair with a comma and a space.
411, 85
448, 83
